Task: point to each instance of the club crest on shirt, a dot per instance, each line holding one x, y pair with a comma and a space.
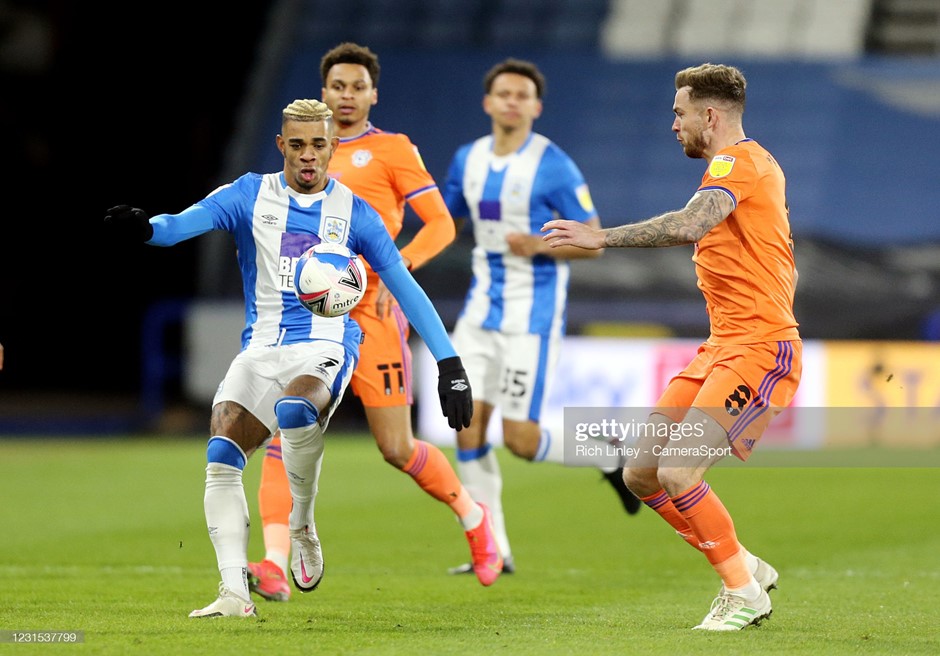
334, 229
361, 157
721, 166
584, 197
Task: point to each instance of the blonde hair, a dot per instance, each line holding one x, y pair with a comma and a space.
307, 110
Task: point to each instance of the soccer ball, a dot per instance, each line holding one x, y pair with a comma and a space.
329, 280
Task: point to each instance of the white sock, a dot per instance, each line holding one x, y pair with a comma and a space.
750, 591
472, 519
227, 519
302, 451
596, 453
484, 482
236, 580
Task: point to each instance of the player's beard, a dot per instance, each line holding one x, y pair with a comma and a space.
694, 146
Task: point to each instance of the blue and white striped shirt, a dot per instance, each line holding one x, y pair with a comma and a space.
512, 194
273, 225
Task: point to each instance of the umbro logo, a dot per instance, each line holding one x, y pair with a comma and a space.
268, 219
708, 544
459, 386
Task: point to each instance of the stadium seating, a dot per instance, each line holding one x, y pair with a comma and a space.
800, 29
448, 24
637, 28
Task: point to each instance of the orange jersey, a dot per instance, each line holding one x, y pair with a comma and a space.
386, 170
745, 264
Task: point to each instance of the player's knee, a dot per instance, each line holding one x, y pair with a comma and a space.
641, 481
295, 412
396, 452
676, 480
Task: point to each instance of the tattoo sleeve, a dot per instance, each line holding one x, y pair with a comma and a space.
704, 211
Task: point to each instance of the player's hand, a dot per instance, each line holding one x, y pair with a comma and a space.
563, 232
453, 386
129, 223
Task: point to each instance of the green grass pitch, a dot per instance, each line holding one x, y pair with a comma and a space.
108, 537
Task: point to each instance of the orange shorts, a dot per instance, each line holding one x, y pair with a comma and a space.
384, 374
742, 386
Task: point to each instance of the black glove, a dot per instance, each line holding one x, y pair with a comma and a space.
454, 390
129, 223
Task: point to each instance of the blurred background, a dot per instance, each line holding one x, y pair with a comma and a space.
154, 106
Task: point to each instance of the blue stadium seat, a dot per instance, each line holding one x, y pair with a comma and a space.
383, 24
505, 33
450, 9
448, 23
447, 34
384, 33
595, 8
568, 33
517, 24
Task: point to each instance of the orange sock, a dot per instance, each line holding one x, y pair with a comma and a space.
712, 525
662, 504
274, 501
431, 469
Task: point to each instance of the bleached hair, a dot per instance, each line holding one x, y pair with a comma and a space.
307, 110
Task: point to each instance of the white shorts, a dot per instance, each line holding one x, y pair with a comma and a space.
512, 372
257, 377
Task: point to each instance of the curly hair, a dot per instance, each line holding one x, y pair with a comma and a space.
351, 53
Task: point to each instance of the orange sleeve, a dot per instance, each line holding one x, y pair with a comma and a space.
437, 232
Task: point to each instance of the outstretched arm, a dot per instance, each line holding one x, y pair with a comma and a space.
527, 245
704, 211
133, 224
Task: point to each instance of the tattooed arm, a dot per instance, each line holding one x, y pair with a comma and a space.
704, 211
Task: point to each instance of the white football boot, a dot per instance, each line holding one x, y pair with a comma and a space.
228, 604
765, 575
306, 562
730, 612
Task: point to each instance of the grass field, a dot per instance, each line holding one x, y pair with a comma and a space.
108, 537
